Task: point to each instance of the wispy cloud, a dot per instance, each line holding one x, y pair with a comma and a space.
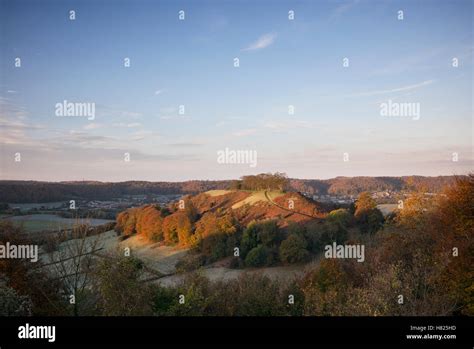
114, 112
144, 134
284, 125
228, 120
343, 8
393, 90
262, 42
127, 125
185, 144
92, 126
11, 111
409, 62
243, 133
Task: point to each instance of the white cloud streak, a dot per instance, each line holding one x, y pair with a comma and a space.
262, 42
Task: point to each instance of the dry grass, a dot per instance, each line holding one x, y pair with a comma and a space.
218, 192
160, 258
255, 197
282, 273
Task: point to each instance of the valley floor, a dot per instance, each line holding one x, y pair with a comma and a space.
160, 261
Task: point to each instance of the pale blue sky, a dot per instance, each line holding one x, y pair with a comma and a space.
190, 63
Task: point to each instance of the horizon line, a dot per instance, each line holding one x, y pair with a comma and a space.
228, 179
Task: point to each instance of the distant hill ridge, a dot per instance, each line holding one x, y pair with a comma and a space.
34, 191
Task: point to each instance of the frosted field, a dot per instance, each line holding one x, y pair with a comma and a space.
40, 222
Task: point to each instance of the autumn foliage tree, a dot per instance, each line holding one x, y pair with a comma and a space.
367, 215
452, 229
263, 181
293, 249
29, 281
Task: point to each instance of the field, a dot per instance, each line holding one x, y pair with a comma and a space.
386, 209
257, 196
218, 192
282, 273
41, 222
46, 205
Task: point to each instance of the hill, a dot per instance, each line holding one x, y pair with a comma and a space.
216, 222
202, 212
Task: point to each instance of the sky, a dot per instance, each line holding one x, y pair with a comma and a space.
334, 64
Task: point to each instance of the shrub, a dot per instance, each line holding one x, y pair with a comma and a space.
257, 256
258, 295
293, 249
325, 234
249, 238
163, 299
364, 203
198, 297
13, 304
268, 233
370, 221
341, 216
264, 233
296, 228
119, 290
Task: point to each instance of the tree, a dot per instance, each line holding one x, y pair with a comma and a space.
250, 238
185, 230
297, 228
118, 287
216, 236
170, 229
451, 227
367, 215
341, 216
122, 219
325, 289
293, 249
257, 256
256, 295
13, 304
266, 233
264, 181
31, 280
198, 297
364, 204
129, 227
413, 213
73, 264
149, 223
320, 235
371, 221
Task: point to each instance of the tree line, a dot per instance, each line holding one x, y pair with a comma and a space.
263, 181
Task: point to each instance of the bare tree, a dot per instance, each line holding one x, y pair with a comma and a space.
73, 262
